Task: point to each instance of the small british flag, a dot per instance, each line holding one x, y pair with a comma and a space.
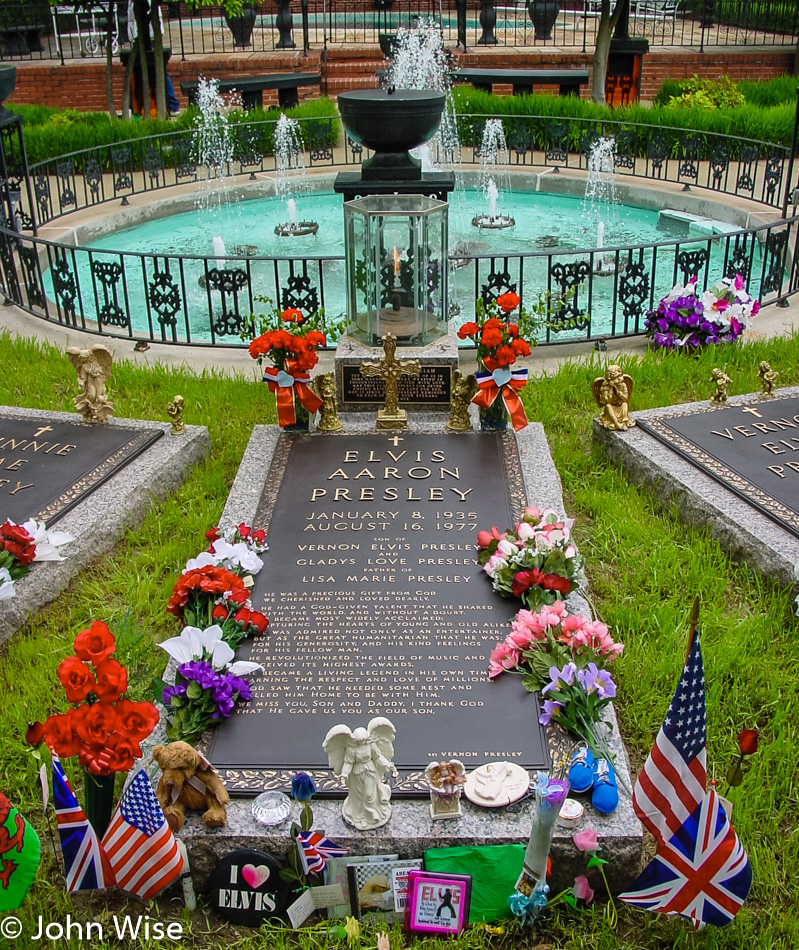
315, 849
702, 872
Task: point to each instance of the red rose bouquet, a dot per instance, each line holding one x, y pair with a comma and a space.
105, 730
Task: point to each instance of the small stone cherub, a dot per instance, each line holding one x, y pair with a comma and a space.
768, 377
174, 410
325, 388
613, 392
461, 394
721, 381
93, 368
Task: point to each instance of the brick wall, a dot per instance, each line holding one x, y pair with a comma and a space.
81, 85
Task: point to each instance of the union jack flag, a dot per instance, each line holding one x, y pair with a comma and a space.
315, 849
140, 846
85, 862
702, 872
673, 780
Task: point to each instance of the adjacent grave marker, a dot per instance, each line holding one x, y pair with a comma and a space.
48, 466
378, 608
748, 448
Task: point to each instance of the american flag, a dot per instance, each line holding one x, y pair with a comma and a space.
315, 849
702, 872
140, 846
85, 863
673, 780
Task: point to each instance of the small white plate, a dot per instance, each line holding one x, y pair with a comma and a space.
497, 784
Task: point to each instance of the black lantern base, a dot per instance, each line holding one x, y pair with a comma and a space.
431, 185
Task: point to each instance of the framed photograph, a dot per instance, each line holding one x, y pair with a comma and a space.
437, 903
371, 888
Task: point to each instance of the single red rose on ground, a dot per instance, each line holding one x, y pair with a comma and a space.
35, 733
112, 680
93, 724
76, 678
135, 721
60, 735
508, 302
95, 644
748, 740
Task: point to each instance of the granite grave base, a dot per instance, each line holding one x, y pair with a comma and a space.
101, 517
410, 831
746, 533
429, 390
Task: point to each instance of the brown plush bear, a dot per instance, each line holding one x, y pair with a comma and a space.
189, 781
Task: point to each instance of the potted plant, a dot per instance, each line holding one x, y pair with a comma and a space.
543, 14
242, 26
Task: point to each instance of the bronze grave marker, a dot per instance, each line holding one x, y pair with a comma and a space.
47, 466
751, 449
378, 607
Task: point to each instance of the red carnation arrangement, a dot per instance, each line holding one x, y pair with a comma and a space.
288, 337
105, 732
196, 592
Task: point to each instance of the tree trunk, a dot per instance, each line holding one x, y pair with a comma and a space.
143, 31
134, 52
158, 52
109, 60
604, 34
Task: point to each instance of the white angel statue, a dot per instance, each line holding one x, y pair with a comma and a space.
361, 759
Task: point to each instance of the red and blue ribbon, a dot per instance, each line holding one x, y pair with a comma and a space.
285, 383
505, 382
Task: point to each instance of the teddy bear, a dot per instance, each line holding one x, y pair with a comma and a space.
189, 781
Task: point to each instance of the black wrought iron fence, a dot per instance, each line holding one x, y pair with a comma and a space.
718, 163
194, 300
33, 29
208, 300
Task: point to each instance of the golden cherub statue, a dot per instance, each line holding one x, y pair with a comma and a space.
461, 394
613, 393
324, 386
721, 381
768, 377
174, 410
93, 368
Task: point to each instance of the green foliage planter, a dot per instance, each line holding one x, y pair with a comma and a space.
50, 133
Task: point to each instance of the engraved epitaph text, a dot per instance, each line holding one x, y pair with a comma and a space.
378, 607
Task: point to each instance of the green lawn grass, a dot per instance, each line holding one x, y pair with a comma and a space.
644, 567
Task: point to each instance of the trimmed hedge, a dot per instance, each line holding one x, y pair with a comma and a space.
50, 133
764, 125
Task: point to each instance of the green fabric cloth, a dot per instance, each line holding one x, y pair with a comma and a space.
19, 856
494, 872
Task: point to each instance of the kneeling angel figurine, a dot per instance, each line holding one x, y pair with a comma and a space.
361, 759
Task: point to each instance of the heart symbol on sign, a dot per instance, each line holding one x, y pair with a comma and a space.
501, 376
284, 379
255, 876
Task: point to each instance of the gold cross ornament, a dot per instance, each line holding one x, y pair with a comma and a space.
390, 369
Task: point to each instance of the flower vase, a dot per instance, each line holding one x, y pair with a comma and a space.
302, 420
99, 800
495, 418
548, 803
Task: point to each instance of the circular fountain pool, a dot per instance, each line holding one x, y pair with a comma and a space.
545, 224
